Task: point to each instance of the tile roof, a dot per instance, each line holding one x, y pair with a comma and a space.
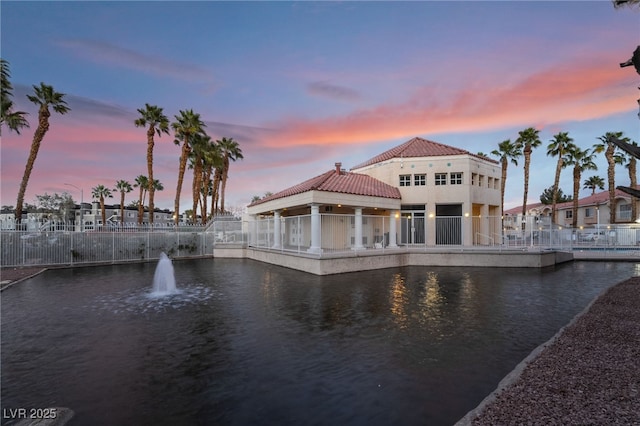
418, 147
599, 198
343, 182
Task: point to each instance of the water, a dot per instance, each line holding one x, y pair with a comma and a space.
164, 281
248, 343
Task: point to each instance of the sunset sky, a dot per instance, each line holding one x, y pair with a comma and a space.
302, 85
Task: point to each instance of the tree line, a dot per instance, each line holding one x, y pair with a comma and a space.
210, 160
568, 154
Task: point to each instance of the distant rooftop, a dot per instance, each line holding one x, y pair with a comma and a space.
418, 147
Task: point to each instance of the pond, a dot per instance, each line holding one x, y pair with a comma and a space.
243, 342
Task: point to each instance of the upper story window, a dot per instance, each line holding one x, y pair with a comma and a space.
588, 212
420, 180
456, 178
441, 179
568, 214
405, 180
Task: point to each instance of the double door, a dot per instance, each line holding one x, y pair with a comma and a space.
412, 228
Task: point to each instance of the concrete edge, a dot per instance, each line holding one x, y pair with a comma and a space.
515, 374
8, 283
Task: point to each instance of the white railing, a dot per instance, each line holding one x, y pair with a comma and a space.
55, 243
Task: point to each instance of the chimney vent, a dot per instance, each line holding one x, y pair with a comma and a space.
338, 168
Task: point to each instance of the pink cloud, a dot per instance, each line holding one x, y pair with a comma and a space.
579, 90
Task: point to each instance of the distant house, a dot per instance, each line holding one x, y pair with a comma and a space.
592, 210
427, 192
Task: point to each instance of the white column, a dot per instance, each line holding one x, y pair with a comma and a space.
392, 229
358, 230
276, 229
315, 229
253, 230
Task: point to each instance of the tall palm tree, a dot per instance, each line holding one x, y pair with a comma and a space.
14, 120
630, 162
187, 124
142, 182
593, 183
506, 152
157, 123
581, 160
101, 192
199, 148
44, 97
212, 161
558, 148
230, 152
528, 139
609, 148
123, 187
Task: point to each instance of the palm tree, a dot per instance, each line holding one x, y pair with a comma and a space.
157, 123
187, 125
593, 183
212, 161
123, 187
199, 147
507, 152
14, 120
528, 139
631, 165
557, 148
230, 151
101, 192
44, 96
609, 148
142, 182
581, 160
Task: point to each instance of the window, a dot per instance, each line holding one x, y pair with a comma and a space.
588, 212
456, 178
419, 180
405, 180
568, 214
480, 180
490, 182
625, 211
474, 179
441, 179
496, 183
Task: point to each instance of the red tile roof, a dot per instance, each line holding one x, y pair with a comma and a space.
418, 147
343, 182
599, 198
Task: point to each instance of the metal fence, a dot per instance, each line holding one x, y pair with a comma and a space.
57, 244
338, 234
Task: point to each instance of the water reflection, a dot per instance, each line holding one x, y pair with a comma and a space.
398, 300
267, 345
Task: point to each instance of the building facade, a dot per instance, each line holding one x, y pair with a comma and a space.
419, 192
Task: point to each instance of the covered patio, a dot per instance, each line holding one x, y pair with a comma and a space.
349, 210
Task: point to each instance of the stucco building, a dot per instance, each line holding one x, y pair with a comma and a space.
419, 192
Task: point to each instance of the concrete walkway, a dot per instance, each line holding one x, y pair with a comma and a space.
588, 374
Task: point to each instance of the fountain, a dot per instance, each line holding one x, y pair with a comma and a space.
164, 281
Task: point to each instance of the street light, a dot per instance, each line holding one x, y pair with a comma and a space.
81, 205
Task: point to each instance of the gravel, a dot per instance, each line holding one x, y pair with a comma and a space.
588, 374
